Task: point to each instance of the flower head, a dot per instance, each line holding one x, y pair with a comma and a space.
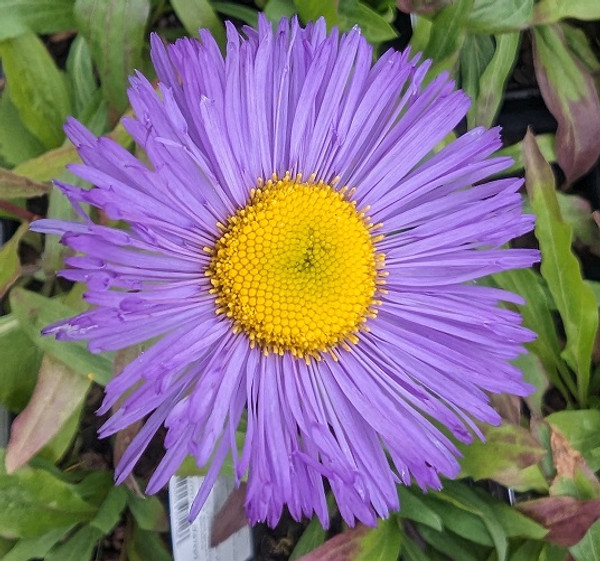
301, 256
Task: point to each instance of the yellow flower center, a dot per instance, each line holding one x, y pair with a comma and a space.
296, 269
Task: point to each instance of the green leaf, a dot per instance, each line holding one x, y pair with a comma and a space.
142, 545
492, 82
109, 513
13, 186
40, 16
460, 496
373, 25
28, 65
199, 14
115, 32
582, 430
570, 93
313, 536
33, 502
459, 520
550, 11
449, 544
515, 151
580, 46
508, 450
80, 70
527, 551
577, 213
37, 547
311, 10
516, 524
537, 316
20, 364
232, 10
447, 35
17, 144
534, 374
35, 312
415, 509
575, 301
475, 56
149, 513
78, 547
10, 263
500, 16
277, 9
588, 548
382, 543
59, 392
49, 165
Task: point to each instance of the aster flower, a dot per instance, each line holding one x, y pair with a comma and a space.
300, 257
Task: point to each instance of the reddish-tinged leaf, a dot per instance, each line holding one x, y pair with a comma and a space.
421, 6
13, 186
230, 518
57, 394
343, 547
570, 93
566, 518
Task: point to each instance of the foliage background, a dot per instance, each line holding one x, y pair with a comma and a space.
531, 492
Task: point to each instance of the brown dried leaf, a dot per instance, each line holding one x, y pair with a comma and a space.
124, 437
57, 394
230, 518
566, 518
570, 463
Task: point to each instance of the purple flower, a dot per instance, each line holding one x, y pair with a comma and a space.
305, 263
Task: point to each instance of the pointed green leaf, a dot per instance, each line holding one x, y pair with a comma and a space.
588, 548
537, 316
37, 87
17, 144
492, 82
36, 548
475, 56
114, 31
311, 10
373, 25
447, 35
415, 509
142, 545
199, 14
574, 299
382, 543
313, 536
80, 70
20, 364
33, 502
78, 547
500, 16
40, 16
35, 312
